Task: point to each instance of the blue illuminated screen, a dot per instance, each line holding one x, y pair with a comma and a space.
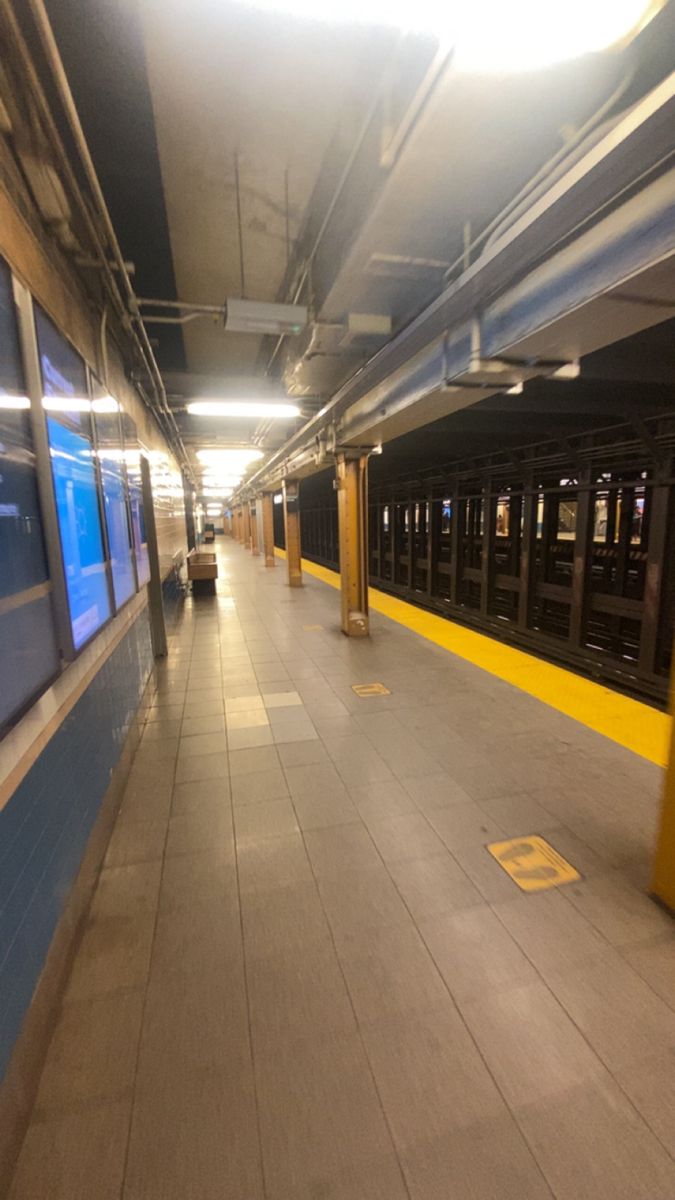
80, 526
113, 479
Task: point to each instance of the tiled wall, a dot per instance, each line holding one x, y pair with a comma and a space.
45, 826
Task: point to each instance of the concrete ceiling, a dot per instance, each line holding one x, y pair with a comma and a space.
227, 80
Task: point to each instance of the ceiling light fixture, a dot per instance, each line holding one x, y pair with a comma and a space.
491, 35
234, 459
14, 403
242, 408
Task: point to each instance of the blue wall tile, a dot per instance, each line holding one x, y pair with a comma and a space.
45, 827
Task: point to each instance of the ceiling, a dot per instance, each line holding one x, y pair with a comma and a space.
226, 139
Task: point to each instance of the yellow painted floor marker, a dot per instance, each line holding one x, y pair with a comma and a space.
312, 628
370, 689
638, 727
533, 863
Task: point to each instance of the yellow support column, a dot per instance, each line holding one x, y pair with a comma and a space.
291, 492
268, 528
247, 525
352, 480
253, 512
663, 881
240, 525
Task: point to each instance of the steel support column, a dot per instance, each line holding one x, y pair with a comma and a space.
155, 598
291, 494
663, 880
247, 525
352, 480
268, 528
253, 515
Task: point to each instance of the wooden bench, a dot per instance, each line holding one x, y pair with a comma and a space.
202, 570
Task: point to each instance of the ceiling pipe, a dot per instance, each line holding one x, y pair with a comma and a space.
638, 144
130, 309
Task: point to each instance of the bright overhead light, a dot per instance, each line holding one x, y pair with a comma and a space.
207, 491
242, 408
105, 404
491, 35
65, 404
14, 403
227, 460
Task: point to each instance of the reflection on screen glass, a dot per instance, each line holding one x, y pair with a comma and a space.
111, 461
133, 460
80, 527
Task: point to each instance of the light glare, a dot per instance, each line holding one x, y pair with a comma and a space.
242, 408
491, 35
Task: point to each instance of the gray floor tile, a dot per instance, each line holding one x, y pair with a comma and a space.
601, 1149
298, 754
655, 962
126, 891
310, 779
619, 1014
320, 1119
259, 786
389, 970
486, 1161
650, 1086
192, 726
195, 1137
92, 1054
192, 796
208, 828
136, 842
531, 1046
552, 933
406, 837
190, 878
193, 1021
341, 848
270, 818
197, 938
207, 766
75, 1157
249, 761
474, 952
359, 901
295, 995
321, 812
287, 918
429, 1074
619, 911
432, 887
244, 739
201, 744
268, 863
114, 954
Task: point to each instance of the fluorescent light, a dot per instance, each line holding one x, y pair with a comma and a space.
14, 403
105, 404
215, 491
229, 459
223, 481
491, 35
65, 404
242, 408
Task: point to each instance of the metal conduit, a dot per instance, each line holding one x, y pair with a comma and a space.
130, 310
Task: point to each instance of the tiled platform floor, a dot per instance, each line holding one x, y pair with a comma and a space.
304, 977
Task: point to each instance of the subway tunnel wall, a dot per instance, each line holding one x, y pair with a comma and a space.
564, 550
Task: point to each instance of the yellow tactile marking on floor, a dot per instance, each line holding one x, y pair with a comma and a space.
533, 863
638, 727
370, 689
312, 628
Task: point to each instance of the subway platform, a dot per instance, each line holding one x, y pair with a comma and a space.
304, 977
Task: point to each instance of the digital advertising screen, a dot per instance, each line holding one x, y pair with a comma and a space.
80, 527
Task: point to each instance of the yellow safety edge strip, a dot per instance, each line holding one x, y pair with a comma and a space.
638, 727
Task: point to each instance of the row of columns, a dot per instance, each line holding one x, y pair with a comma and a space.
352, 487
